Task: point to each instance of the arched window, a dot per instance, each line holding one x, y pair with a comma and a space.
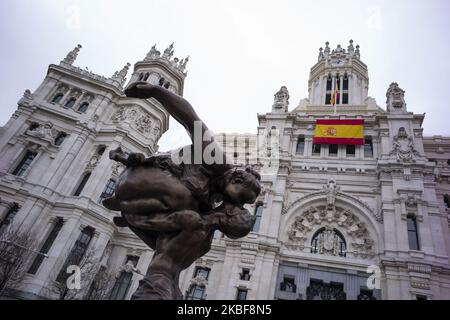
329, 241
344, 90
82, 184
300, 145
258, 216
83, 107
141, 76
70, 103
57, 97
329, 90
60, 138
146, 76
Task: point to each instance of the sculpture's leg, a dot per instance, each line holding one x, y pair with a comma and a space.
157, 286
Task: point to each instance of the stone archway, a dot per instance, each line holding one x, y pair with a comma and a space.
360, 242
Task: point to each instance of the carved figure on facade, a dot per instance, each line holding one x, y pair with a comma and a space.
403, 148
331, 190
45, 132
281, 100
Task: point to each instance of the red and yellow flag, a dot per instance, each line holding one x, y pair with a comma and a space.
339, 132
335, 96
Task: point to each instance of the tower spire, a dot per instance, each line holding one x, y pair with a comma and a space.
72, 56
120, 76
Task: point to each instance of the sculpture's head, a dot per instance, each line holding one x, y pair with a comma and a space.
241, 186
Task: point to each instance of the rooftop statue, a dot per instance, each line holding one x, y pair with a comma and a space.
175, 206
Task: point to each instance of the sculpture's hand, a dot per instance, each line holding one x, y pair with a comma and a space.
141, 90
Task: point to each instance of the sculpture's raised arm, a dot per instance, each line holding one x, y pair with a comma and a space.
177, 106
182, 111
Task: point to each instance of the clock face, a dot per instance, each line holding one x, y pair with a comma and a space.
337, 62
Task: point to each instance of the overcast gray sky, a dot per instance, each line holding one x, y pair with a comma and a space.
241, 52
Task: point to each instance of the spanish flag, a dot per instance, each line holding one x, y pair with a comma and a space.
335, 97
339, 132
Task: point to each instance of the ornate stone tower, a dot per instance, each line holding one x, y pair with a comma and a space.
55, 170
162, 69
340, 69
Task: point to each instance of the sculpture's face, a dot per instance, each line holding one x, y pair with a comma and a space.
241, 187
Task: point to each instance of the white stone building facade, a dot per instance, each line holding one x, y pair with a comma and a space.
329, 216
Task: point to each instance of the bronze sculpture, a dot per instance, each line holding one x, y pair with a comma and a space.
175, 207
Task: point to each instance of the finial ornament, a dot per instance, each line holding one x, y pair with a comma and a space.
155, 54
321, 56
281, 100
350, 48
72, 55
327, 49
121, 75
357, 52
395, 98
183, 63
168, 53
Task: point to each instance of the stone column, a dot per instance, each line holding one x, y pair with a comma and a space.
100, 174
61, 247
5, 208
58, 174
333, 84
341, 86
27, 217
352, 286
64, 98
79, 100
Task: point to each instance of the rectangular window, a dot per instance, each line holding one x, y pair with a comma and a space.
258, 216
316, 149
245, 275
46, 246
328, 98
123, 283
109, 190
288, 284
77, 253
24, 164
345, 84
329, 84
300, 145
241, 294
345, 98
368, 147
333, 150
196, 292
82, 184
351, 150
413, 236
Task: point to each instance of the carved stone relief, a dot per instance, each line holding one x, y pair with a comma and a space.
139, 120
357, 236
